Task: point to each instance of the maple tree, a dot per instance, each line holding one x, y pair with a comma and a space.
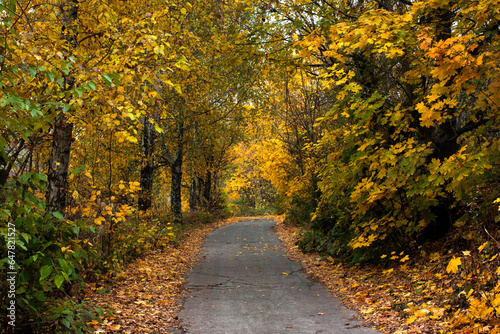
406, 112
411, 143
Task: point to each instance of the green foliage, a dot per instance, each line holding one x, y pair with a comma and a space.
329, 233
300, 211
130, 239
240, 208
48, 257
69, 317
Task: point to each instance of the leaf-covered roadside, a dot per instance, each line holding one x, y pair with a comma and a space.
145, 298
436, 292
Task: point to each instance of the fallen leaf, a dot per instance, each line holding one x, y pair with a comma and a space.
453, 264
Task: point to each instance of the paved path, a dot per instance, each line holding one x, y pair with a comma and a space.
245, 284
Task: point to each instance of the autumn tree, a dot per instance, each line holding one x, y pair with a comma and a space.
213, 91
65, 70
409, 84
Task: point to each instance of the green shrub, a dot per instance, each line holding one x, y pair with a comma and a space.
42, 249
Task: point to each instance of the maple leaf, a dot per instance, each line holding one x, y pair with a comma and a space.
453, 264
427, 118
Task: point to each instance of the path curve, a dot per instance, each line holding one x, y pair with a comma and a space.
244, 283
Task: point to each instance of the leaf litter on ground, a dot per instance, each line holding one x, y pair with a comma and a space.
408, 296
146, 296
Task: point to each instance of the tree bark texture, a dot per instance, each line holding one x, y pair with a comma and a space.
146, 194
207, 193
57, 178
444, 142
147, 170
175, 196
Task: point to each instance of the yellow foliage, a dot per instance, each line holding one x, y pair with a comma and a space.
453, 265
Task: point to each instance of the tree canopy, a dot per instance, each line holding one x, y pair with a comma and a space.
372, 124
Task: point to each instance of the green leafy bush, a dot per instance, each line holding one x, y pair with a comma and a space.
46, 257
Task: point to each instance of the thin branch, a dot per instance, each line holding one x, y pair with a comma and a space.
90, 36
340, 11
406, 2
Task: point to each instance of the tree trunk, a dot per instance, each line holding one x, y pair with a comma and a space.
175, 196
147, 170
207, 187
57, 178
193, 194
145, 196
444, 140
176, 170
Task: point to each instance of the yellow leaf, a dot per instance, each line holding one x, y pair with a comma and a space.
434, 256
99, 220
363, 147
466, 253
421, 313
493, 258
411, 320
453, 264
482, 247
132, 139
388, 271
427, 115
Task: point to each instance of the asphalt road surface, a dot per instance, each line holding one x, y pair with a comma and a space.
244, 283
